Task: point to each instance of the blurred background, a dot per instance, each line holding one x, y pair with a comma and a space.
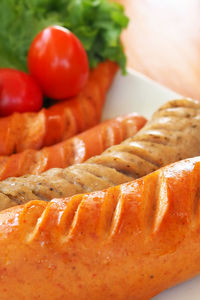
163, 42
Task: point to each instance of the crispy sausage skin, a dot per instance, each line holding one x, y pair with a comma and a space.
128, 242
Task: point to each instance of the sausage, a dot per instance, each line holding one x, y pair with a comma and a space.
128, 242
60, 121
171, 135
74, 150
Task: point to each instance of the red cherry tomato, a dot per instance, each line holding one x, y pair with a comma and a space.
59, 63
18, 92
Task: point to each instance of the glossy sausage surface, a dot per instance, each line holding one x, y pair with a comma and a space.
128, 242
61, 120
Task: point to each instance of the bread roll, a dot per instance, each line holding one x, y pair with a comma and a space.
129, 242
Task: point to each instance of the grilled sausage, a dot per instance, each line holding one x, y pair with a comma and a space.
128, 242
74, 150
171, 135
60, 121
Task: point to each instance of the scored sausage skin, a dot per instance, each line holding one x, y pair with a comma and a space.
62, 120
74, 150
128, 242
171, 135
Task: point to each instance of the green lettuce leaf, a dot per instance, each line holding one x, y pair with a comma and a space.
97, 23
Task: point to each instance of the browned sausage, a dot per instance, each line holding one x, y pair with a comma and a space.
129, 242
171, 135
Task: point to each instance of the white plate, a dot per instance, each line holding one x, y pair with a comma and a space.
136, 93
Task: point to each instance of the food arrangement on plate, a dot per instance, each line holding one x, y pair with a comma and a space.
89, 209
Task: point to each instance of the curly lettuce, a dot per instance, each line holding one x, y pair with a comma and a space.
97, 23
